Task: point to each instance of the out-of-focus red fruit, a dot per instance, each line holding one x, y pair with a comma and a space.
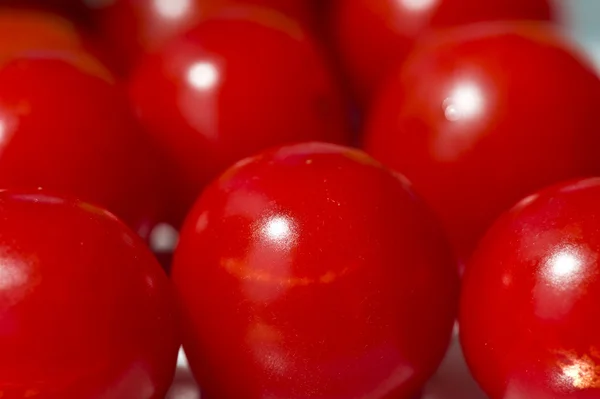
374, 36
529, 312
486, 116
65, 126
136, 27
32, 30
132, 28
310, 271
85, 310
29, 31
236, 84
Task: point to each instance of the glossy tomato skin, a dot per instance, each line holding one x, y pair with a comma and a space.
85, 309
133, 27
302, 11
373, 36
529, 313
33, 31
23, 30
476, 128
339, 285
237, 84
136, 27
67, 127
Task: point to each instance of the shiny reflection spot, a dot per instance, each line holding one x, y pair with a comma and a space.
181, 391
564, 264
12, 275
39, 198
278, 229
202, 222
182, 362
203, 75
527, 201
93, 209
418, 5
581, 372
465, 102
563, 267
164, 238
172, 9
563, 280
3, 131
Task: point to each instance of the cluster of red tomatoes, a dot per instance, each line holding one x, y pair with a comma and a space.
306, 267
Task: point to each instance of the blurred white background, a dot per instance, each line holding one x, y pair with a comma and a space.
582, 21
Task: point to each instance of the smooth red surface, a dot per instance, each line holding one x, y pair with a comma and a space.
310, 271
65, 126
485, 117
302, 11
374, 36
239, 83
72, 9
85, 309
529, 311
26, 30
136, 27
32, 31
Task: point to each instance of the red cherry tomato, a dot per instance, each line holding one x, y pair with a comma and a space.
236, 84
65, 126
85, 310
33, 31
310, 271
483, 118
135, 27
373, 36
27, 30
529, 311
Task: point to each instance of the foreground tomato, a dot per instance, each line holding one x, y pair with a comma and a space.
85, 310
529, 312
485, 117
65, 126
373, 36
241, 82
136, 27
310, 271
